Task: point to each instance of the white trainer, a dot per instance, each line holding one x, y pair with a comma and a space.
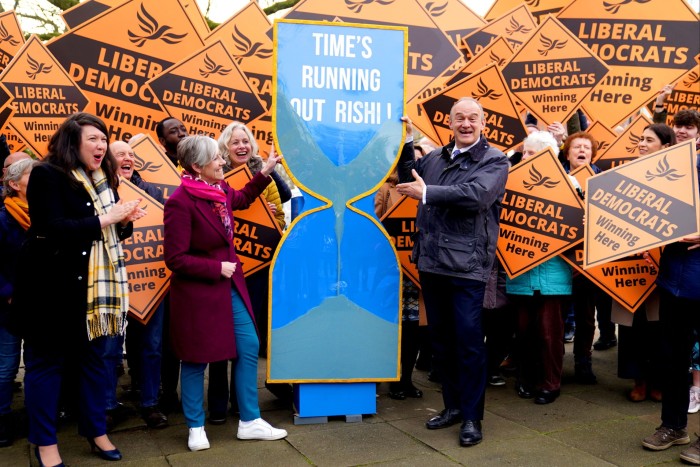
259, 429
198, 439
694, 404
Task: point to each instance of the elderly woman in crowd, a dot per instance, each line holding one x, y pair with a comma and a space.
14, 222
81, 298
578, 151
537, 296
211, 317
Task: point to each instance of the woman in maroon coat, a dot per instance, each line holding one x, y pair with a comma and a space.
211, 318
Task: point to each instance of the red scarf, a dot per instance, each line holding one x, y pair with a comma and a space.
213, 194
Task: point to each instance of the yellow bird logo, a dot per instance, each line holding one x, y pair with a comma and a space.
36, 68
538, 180
153, 31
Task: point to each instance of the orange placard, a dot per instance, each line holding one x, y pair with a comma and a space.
624, 147
153, 165
553, 72
400, 223
257, 232
245, 37
43, 94
604, 135
542, 214
11, 38
515, 26
629, 280
456, 19
504, 128
539, 8
14, 140
83, 11
646, 45
149, 278
685, 95
642, 204
206, 91
497, 51
112, 55
430, 50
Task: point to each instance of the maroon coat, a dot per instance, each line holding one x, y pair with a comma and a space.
195, 245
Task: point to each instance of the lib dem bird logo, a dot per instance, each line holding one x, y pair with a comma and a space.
436, 9
613, 7
5, 36
634, 141
495, 58
143, 166
516, 27
693, 78
550, 45
356, 5
485, 92
663, 170
538, 180
153, 31
212, 68
36, 68
533, 3
248, 48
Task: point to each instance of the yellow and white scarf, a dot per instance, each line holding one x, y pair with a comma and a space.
107, 289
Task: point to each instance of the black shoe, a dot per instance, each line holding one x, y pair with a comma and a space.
524, 392
154, 418
447, 417
7, 432
584, 374
413, 392
470, 433
117, 415
546, 397
217, 418
111, 455
605, 344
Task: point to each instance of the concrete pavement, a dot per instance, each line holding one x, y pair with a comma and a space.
587, 425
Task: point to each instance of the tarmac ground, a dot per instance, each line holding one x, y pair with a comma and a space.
586, 426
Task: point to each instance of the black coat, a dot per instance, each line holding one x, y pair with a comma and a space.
50, 301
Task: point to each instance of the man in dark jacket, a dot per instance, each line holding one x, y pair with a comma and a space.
460, 187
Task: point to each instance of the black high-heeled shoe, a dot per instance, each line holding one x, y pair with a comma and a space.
38, 458
111, 455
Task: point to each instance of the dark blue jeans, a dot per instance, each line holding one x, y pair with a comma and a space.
10, 346
144, 348
453, 306
44, 370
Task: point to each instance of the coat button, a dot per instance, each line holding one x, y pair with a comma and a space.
87, 204
80, 278
84, 253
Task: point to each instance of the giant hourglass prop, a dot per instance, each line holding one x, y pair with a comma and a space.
335, 278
